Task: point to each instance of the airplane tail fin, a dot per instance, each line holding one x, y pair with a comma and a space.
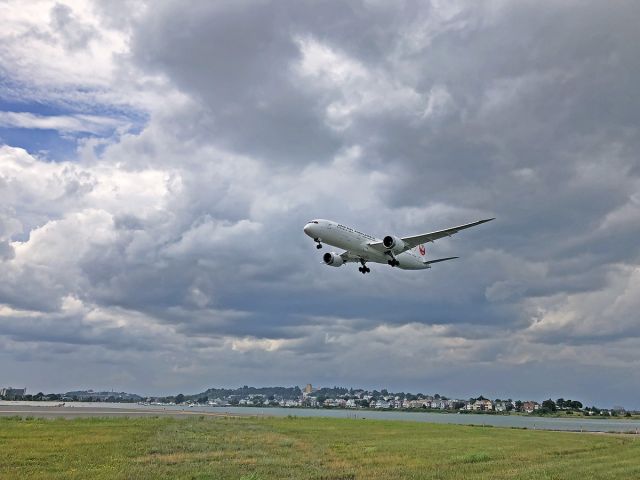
439, 260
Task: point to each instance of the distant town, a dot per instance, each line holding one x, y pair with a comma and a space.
327, 397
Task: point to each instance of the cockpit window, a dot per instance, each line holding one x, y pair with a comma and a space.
313, 221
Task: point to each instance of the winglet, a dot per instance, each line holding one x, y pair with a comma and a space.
479, 222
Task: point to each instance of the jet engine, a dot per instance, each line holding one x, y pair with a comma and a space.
393, 243
333, 259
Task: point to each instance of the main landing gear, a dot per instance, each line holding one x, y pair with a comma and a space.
393, 262
363, 269
319, 246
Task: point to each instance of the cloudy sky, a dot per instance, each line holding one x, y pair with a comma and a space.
158, 163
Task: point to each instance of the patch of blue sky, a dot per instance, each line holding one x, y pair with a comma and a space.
62, 107
30, 107
59, 143
49, 144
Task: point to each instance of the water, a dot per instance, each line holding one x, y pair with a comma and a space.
577, 423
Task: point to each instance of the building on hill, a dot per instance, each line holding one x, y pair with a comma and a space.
482, 405
308, 389
11, 393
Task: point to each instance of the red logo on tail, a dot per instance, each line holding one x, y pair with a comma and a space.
422, 249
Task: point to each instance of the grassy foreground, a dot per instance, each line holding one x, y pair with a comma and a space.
319, 448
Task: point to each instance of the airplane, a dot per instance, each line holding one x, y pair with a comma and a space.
407, 253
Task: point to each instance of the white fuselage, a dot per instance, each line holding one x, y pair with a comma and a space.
357, 243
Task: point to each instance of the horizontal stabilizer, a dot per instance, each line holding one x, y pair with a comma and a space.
439, 260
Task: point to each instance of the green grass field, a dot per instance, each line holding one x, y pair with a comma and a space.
297, 448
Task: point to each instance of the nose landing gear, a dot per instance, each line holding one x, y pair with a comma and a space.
319, 246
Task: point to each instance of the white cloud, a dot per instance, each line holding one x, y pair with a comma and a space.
607, 313
38, 191
63, 123
247, 343
68, 53
350, 88
34, 49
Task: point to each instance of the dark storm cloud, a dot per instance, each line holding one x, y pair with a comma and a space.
235, 59
72, 326
524, 102
538, 127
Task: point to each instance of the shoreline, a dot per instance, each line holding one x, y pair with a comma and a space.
47, 411
355, 411
70, 412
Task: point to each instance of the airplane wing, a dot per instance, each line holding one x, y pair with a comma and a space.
415, 240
